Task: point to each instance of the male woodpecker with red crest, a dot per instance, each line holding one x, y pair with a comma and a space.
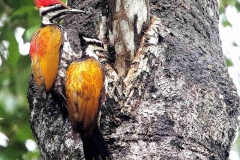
46, 44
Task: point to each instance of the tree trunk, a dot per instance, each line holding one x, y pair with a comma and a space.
169, 94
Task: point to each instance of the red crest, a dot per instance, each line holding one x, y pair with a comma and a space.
44, 3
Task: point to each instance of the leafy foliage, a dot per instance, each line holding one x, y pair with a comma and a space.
225, 3
15, 71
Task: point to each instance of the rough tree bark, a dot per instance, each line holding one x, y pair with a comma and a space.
169, 95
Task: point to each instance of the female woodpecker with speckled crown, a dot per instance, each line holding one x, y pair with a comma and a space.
85, 94
45, 48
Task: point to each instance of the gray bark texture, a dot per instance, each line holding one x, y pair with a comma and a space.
169, 94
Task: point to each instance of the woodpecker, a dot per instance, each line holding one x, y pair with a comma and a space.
46, 44
85, 94
77, 77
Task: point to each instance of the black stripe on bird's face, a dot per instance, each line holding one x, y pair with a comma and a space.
95, 43
52, 8
58, 17
93, 48
53, 14
86, 42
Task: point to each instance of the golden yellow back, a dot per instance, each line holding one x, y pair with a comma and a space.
45, 53
84, 83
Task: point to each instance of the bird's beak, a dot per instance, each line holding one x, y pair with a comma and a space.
74, 11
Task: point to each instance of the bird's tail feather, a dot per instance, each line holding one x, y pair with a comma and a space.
95, 146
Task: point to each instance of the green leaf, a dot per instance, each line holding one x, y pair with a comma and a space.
225, 21
22, 10
14, 54
32, 155
234, 44
229, 62
238, 6
27, 35
230, 2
